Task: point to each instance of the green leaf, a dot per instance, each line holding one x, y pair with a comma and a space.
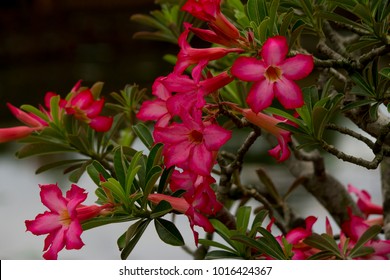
262, 246
385, 72
256, 10
151, 178
120, 166
369, 234
35, 149
323, 242
225, 233
35, 111
320, 119
243, 215
212, 243
220, 254
362, 83
357, 104
94, 170
56, 164
168, 232
133, 235
132, 171
116, 188
339, 18
144, 134
164, 179
161, 209
75, 176
101, 221
155, 155
273, 17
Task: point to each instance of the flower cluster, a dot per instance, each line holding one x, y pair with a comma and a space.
351, 231
80, 103
191, 138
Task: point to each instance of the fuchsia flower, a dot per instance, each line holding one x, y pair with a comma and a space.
364, 202
181, 205
274, 75
62, 222
83, 106
354, 229
281, 152
191, 144
189, 56
210, 11
296, 236
32, 122
156, 110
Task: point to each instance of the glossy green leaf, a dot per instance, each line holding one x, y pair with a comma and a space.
165, 179
57, 164
359, 80
168, 232
256, 10
225, 233
35, 149
221, 254
162, 208
212, 243
152, 177
133, 237
116, 188
101, 221
120, 166
368, 235
323, 242
243, 216
94, 170
155, 155
144, 134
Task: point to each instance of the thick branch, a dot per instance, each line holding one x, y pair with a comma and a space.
323, 186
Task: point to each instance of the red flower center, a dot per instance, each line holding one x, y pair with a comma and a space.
273, 73
196, 137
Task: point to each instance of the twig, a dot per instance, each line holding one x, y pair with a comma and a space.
352, 133
352, 159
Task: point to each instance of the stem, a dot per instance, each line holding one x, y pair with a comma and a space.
385, 179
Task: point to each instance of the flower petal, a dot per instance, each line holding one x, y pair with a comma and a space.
288, 93
297, 67
51, 197
215, 137
260, 95
57, 241
75, 195
101, 123
152, 110
177, 154
44, 223
274, 50
248, 69
201, 160
72, 236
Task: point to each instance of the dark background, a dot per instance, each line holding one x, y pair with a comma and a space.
48, 45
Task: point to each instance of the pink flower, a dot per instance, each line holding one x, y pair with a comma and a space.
62, 222
296, 236
181, 205
210, 11
274, 75
191, 144
280, 152
83, 106
354, 229
156, 110
364, 202
198, 190
32, 122
189, 56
